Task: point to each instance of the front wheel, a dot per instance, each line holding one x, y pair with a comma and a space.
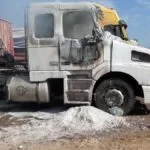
115, 95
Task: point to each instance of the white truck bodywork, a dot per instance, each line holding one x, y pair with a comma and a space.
65, 45
140, 71
115, 55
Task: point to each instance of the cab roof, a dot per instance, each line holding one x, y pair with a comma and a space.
62, 5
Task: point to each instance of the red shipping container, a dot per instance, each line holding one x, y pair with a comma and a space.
6, 36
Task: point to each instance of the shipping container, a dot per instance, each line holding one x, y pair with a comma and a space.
6, 36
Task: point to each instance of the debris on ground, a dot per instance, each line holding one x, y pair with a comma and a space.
50, 125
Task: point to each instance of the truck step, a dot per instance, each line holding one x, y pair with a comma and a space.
79, 84
79, 91
78, 96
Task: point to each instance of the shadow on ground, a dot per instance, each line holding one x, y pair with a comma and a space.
140, 109
7, 106
56, 107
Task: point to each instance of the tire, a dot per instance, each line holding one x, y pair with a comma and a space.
115, 93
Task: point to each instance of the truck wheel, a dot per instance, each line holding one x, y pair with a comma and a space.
113, 95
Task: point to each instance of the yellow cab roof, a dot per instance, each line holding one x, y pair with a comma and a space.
110, 16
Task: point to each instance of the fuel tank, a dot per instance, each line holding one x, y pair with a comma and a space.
20, 89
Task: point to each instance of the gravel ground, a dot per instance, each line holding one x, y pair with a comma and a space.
24, 126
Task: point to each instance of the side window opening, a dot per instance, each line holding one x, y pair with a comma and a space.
140, 56
115, 30
77, 24
110, 28
44, 26
119, 32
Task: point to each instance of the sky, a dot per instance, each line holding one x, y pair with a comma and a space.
134, 12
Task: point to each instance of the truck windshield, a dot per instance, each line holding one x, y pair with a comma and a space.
77, 24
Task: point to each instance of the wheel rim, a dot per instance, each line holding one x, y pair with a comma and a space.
113, 97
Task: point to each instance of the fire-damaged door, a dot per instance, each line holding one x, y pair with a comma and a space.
76, 51
42, 35
79, 53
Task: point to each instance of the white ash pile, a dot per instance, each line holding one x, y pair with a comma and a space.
89, 118
51, 124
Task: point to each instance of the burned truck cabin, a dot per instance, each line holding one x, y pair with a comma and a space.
57, 33
68, 55
59, 40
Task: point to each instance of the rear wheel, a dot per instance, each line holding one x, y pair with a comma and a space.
115, 95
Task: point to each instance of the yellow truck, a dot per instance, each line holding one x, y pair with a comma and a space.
110, 21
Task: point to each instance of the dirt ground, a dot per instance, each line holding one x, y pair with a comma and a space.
136, 136
139, 141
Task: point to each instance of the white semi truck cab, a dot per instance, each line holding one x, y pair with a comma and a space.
68, 55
